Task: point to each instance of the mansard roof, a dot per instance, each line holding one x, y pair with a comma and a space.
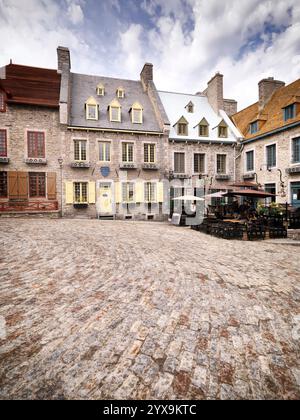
271, 115
83, 86
175, 105
30, 85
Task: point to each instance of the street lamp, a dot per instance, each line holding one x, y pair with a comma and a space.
60, 162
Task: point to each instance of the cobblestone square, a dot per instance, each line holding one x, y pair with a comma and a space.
136, 310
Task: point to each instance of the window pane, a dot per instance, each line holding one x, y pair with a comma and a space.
3, 184
37, 184
77, 192
150, 189
149, 153
92, 111
76, 150
104, 152
182, 129
115, 114
296, 150
221, 164
222, 131
137, 115
203, 130
179, 164
271, 155
250, 161
3, 144
199, 159
36, 145
2, 102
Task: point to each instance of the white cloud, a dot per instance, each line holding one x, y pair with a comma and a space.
75, 13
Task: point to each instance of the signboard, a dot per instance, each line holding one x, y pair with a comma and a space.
105, 171
176, 219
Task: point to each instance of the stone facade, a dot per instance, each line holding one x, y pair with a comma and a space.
17, 121
284, 162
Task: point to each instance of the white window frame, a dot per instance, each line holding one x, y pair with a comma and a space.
216, 163
120, 93
149, 144
111, 114
245, 160
185, 166
137, 121
87, 192
266, 156
291, 150
100, 91
87, 112
134, 191
80, 151
133, 151
205, 162
104, 142
154, 193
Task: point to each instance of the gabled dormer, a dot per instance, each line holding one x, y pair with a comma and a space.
190, 107
136, 112
291, 108
100, 90
203, 128
182, 127
120, 93
223, 129
114, 110
91, 109
257, 123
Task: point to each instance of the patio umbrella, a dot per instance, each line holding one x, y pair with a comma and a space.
218, 194
188, 198
250, 193
248, 184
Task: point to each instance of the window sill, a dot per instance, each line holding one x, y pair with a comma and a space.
82, 164
222, 177
4, 159
150, 166
293, 170
125, 165
80, 205
36, 161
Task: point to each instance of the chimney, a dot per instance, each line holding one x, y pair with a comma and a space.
214, 92
63, 59
230, 106
266, 87
147, 75
64, 67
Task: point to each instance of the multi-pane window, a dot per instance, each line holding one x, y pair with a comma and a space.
127, 152
296, 150
203, 130
104, 151
80, 192
289, 112
222, 131
149, 153
182, 129
250, 161
179, 162
115, 113
254, 127
3, 143
100, 90
270, 188
128, 192
137, 116
120, 93
37, 184
2, 102
36, 144
3, 184
80, 149
190, 108
91, 112
199, 163
271, 155
150, 192
221, 164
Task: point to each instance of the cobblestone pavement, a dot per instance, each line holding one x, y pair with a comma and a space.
122, 310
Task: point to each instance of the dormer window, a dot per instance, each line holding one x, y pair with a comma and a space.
120, 93
223, 129
289, 112
100, 90
115, 111
190, 107
91, 107
253, 127
203, 128
136, 113
182, 127
2, 102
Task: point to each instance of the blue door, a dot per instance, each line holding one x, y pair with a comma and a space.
295, 189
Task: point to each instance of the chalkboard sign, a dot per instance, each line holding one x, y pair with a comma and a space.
176, 219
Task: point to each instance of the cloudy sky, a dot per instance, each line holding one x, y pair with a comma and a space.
186, 40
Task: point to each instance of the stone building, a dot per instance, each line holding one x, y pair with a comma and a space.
29, 140
115, 145
203, 140
271, 146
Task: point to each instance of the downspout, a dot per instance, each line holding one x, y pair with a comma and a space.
236, 158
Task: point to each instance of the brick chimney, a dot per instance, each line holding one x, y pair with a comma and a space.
147, 75
214, 92
64, 67
266, 87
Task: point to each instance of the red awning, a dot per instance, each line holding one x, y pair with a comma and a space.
250, 193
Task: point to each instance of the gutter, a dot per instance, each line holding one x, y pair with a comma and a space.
230, 143
114, 130
270, 133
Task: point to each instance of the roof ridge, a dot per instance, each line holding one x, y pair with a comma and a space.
181, 93
105, 77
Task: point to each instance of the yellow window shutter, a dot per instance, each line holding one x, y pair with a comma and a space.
118, 192
69, 192
139, 192
160, 192
92, 192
